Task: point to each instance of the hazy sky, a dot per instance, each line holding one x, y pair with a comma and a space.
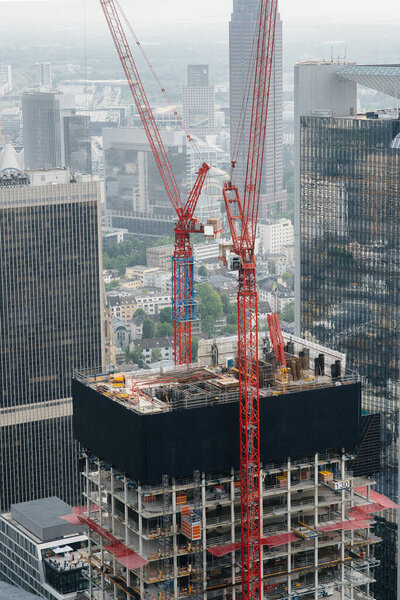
293, 11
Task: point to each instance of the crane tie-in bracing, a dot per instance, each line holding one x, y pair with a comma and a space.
242, 217
183, 297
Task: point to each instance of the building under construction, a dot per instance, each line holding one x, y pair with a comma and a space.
162, 483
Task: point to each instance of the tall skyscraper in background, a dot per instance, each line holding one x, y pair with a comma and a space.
43, 128
5, 79
348, 227
241, 36
78, 143
43, 75
135, 194
318, 90
198, 99
50, 323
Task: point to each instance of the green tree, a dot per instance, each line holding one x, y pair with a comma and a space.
195, 349
208, 325
155, 355
288, 312
137, 357
112, 285
226, 304
210, 308
149, 329
203, 271
165, 315
232, 317
210, 302
230, 329
165, 330
139, 312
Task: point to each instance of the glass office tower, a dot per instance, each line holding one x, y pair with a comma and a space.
50, 323
350, 273
242, 28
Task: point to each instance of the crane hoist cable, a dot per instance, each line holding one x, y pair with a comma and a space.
157, 79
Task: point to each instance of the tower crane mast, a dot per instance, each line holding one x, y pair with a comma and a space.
242, 217
183, 302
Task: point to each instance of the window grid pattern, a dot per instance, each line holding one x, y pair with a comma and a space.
350, 273
50, 323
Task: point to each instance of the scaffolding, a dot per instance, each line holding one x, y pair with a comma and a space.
184, 534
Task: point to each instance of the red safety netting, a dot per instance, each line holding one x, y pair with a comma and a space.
384, 501
271, 541
73, 518
345, 525
222, 550
82, 509
125, 555
366, 511
278, 540
129, 558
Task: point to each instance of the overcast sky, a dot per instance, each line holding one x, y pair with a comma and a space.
293, 11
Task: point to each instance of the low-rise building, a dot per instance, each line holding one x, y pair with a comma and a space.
164, 345
110, 275
41, 551
152, 304
122, 307
274, 234
160, 256
113, 235
140, 272
204, 252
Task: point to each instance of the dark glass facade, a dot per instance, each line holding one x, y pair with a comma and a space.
350, 275
50, 323
78, 144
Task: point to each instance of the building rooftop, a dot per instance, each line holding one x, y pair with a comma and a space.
42, 518
10, 592
176, 388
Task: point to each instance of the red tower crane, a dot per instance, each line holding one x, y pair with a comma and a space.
242, 217
183, 297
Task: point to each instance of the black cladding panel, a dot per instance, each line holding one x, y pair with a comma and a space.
147, 446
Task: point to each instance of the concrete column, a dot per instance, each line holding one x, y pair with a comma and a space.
174, 541
128, 573
343, 516
262, 531
232, 489
89, 536
204, 533
139, 499
101, 525
316, 541
289, 525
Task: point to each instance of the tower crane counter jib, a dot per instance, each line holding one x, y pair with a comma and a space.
183, 296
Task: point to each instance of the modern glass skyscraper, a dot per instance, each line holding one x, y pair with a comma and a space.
78, 144
50, 323
350, 273
43, 128
241, 35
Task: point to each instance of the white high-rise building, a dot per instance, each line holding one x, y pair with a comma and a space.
198, 100
274, 234
5, 79
43, 75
